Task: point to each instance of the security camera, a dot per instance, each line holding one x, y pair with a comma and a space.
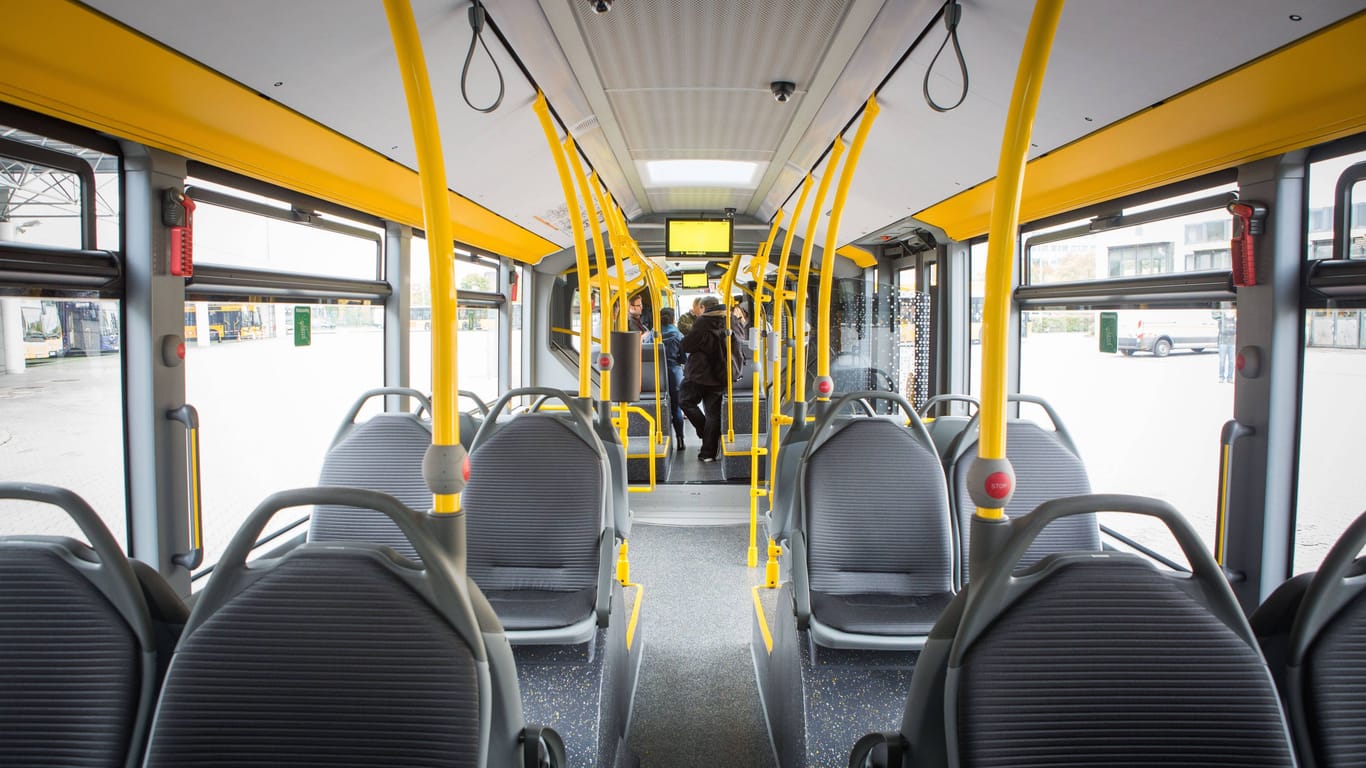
601, 6
782, 90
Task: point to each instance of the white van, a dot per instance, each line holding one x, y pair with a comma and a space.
1159, 331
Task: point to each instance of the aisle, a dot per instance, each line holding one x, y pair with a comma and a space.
697, 703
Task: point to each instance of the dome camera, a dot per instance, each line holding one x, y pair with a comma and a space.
601, 6
782, 90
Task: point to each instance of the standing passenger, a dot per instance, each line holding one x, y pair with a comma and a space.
673, 356
704, 375
685, 322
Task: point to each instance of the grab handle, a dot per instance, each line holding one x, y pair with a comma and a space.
187, 415
1229, 436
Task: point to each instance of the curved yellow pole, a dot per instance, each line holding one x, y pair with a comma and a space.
552, 139
1005, 220
804, 271
832, 232
436, 216
599, 252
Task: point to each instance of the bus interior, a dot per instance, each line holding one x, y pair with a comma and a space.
1026, 338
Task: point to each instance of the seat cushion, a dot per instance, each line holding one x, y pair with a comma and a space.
880, 614
540, 608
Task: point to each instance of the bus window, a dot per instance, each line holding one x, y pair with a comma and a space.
1331, 413
478, 322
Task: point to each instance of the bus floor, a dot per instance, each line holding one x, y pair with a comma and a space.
697, 702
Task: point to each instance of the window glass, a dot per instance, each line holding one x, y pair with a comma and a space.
61, 410
477, 345
978, 258
515, 311
1190, 243
1147, 418
1323, 179
267, 408
42, 205
1332, 419
229, 237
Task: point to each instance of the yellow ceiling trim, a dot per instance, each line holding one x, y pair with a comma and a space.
1307, 93
67, 61
857, 255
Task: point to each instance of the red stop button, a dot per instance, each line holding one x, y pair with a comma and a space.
465, 469
998, 485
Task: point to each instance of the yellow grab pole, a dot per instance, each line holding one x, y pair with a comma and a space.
1005, 220
728, 284
552, 140
804, 271
585, 187
757, 322
604, 281
436, 216
832, 241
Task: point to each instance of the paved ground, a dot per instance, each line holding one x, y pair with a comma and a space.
269, 410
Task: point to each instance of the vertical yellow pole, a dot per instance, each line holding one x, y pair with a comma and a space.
436, 215
757, 322
832, 239
804, 271
1005, 220
552, 140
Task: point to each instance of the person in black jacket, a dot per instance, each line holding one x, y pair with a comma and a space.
705, 375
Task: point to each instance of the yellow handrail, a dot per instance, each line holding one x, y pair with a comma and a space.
832, 241
585, 187
436, 216
1005, 220
580, 246
605, 297
804, 272
650, 454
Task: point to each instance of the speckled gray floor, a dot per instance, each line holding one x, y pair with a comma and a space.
697, 703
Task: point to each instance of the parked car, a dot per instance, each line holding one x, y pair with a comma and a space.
1160, 331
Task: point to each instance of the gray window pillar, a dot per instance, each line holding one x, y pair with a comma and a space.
154, 312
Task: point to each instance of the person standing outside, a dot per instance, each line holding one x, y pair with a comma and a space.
672, 338
1228, 334
705, 375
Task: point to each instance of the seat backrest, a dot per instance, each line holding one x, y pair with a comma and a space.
540, 507
1047, 466
336, 654
876, 525
1311, 630
945, 428
78, 651
1095, 659
382, 454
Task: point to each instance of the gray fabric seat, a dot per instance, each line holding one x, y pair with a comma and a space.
1047, 466
1089, 659
878, 536
340, 654
1310, 629
78, 648
540, 525
383, 453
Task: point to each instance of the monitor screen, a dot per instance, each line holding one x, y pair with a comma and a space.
699, 237
695, 280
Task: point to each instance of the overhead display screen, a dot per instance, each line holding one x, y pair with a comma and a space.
695, 279
699, 237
